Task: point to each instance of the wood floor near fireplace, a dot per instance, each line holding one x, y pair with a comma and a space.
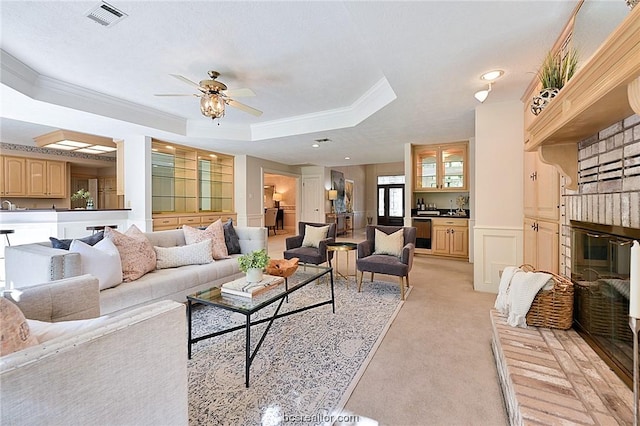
553, 377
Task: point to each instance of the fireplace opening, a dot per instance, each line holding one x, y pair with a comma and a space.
600, 270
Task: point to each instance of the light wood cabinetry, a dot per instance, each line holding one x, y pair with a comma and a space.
441, 167
164, 222
33, 178
14, 177
541, 214
450, 237
108, 193
193, 187
343, 221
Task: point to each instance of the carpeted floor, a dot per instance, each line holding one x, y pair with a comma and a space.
306, 367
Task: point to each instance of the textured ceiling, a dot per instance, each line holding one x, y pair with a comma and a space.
370, 76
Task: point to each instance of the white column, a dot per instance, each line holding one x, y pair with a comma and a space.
137, 180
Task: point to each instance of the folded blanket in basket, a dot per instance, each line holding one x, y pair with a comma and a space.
502, 301
523, 289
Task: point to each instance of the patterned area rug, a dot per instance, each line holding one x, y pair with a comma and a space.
307, 366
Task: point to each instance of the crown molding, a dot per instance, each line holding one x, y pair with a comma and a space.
27, 81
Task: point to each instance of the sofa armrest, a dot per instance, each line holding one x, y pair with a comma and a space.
31, 264
293, 242
61, 300
110, 374
365, 248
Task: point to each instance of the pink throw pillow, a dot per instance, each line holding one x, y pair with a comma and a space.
136, 252
14, 330
214, 232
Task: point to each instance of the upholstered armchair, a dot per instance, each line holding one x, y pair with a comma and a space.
315, 254
387, 257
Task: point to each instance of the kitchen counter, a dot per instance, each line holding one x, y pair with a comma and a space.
36, 225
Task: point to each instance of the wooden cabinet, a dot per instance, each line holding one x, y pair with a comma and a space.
33, 178
14, 177
441, 167
343, 221
541, 214
541, 244
107, 193
450, 237
163, 222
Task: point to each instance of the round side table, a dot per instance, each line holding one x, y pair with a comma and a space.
346, 247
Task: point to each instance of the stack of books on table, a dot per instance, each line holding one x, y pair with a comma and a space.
241, 287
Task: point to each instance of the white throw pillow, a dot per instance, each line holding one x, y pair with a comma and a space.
313, 235
44, 331
191, 254
101, 260
391, 244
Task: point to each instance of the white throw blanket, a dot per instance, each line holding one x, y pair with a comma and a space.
517, 291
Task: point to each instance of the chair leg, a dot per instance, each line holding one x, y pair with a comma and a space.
407, 281
402, 288
372, 277
360, 281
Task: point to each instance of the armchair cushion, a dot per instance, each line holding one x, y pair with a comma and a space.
313, 235
390, 244
315, 255
45, 331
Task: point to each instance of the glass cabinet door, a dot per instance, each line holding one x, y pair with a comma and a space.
453, 167
215, 173
427, 169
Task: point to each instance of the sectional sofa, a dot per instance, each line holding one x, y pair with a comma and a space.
36, 263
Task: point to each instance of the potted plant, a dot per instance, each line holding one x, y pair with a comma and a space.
253, 264
554, 73
81, 194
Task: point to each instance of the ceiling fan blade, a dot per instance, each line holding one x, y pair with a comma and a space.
186, 80
245, 108
239, 93
171, 94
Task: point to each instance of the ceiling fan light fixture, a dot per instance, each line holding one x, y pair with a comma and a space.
212, 105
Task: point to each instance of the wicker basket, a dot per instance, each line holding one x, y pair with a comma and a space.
552, 308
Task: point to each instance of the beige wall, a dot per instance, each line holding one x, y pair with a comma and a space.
499, 156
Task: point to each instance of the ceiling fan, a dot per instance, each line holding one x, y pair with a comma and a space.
214, 95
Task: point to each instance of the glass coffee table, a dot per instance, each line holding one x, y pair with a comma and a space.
246, 306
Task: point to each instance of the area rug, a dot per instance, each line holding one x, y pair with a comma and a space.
307, 366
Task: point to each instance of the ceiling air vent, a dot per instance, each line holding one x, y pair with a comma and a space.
105, 14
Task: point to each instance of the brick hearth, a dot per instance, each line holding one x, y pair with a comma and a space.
554, 377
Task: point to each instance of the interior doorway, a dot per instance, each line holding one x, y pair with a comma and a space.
280, 191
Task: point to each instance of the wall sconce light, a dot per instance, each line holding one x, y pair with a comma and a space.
482, 95
277, 197
333, 195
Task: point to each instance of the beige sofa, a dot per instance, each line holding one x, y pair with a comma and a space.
39, 262
128, 369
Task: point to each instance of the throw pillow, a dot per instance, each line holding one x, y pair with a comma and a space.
136, 252
191, 254
213, 232
391, 244
65, 244
14, 329
44, 331
102, 261
231, 238
313, 235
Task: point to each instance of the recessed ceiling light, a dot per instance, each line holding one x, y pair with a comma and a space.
492, 75
347, 158
315, 145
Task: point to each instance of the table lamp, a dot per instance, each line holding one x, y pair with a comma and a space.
277, 197
333, 195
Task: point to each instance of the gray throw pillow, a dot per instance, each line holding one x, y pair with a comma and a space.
65, 244
231, 238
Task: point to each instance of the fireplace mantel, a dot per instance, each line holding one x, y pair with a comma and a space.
605, 90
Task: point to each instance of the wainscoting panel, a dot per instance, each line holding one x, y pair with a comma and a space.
494, 249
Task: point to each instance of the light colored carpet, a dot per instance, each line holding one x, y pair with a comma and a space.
306, 367
435, 365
